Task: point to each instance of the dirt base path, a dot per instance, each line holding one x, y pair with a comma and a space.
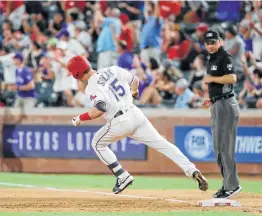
41, 200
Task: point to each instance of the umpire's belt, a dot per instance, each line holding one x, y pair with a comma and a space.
221, 97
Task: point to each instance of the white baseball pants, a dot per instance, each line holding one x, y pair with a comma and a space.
135, 125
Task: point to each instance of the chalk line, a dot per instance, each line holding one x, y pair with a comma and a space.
92, 192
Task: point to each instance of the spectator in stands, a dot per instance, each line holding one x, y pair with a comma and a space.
198, 72
25, 84
52, 8
257, 83
44, 94
63, 86
197, 11
257, 36
51, 51
197, 46
72, 16
177, 47
34, 8
94, 31
126, 33
247, 98
125, 58
166, 88
254, 14
37, 35
105, 43
160, 90
245, 33
72, 4
184, 95
7, 25
83, 36
9, 76
73, 45
14, 11
80, 99
56, 25
145, 76
150, 38
8, 40
132, 9
45, 68
168, 8
199, 92
34, 56
236, 47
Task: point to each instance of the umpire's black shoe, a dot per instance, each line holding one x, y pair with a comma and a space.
122, 183
224, 194
202, 182
218, 193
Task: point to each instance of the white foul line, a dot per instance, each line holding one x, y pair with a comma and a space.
91, 192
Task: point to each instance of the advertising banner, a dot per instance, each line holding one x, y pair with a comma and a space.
196, 143
60, 141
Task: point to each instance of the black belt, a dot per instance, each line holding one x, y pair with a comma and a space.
119, 113
217, 98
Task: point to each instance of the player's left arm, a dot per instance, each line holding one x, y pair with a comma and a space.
93, 113
98, 109
229, 76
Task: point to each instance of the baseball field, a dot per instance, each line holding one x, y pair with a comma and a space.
47, 194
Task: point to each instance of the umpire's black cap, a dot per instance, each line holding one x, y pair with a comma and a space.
211, 36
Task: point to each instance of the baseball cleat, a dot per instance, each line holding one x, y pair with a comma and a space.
225, 194
202, 182
122, 184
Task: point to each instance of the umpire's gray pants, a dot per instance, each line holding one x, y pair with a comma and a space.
224, 118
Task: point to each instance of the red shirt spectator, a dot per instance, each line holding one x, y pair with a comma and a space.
103, 5
68, 4
126, 32
178, 51
169, 7
10, 6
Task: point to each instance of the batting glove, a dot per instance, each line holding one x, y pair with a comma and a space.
76, 121
135, 94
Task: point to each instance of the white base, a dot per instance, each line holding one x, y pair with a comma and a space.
218, 202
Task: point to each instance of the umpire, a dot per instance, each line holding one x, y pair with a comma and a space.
224, 112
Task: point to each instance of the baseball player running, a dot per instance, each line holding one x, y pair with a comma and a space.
111, 91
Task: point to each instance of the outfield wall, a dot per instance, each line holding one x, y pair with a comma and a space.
34, 157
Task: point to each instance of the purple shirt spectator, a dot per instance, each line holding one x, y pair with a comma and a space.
125, 60
144, 83
23, 77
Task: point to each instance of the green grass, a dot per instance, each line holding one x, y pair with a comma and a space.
129, 214
107, 181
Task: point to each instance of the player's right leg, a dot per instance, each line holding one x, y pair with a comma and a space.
108, 134
148, 135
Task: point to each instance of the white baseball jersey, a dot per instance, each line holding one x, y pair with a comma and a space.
112, 86
8, 68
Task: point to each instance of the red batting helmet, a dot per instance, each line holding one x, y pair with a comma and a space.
77, 66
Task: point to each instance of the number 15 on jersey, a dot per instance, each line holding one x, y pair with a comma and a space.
117, 89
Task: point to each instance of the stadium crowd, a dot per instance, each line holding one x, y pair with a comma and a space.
159, 41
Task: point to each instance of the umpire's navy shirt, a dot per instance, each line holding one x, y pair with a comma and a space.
23, 77
220, 64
